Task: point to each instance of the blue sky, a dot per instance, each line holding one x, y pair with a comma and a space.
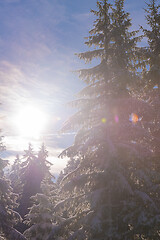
38, 40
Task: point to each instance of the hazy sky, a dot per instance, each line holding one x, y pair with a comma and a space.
38, 40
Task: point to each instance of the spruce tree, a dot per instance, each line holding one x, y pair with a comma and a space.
39, 213
44, 164
151, 74
152, 53
33, 170
15, 177
72, 164
110, 193
41, 217
28, 175
8, 202
151, 78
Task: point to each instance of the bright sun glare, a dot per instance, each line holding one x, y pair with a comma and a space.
30, 122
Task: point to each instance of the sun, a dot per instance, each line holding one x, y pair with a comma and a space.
30, 122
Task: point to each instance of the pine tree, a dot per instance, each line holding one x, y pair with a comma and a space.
15, 177
60, 177
28, 175
44, 164
41, 217
72, 164
151, 78
8, 202
110, 195
152, 53
33, 170
152, 69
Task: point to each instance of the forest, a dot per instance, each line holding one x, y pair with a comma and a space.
110, 188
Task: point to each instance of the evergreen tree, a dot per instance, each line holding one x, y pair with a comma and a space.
30, 181
15, 177
152, 53
110, 195
60, 177
33, 170
72, 164
152, 71
41, 217
151, 78
8, 216
44, 164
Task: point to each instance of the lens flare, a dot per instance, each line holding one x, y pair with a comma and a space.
104, 120
134, 118
116, 118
